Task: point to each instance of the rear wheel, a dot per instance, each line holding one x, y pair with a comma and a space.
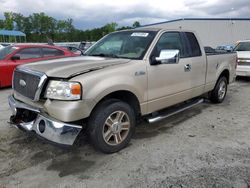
111, 126
220, 90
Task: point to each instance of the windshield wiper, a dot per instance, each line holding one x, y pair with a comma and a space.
105, 55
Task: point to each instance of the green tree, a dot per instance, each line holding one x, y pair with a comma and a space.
19, 21
136, 24
124, 28
61, 26
1, 24
39, 26
8, 22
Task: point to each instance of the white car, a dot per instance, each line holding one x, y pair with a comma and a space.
243, 54
1, 46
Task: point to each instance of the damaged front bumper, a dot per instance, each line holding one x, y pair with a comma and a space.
28, 118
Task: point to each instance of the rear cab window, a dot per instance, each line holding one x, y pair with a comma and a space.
191, 44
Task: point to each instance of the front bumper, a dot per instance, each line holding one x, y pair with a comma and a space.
42, 124
243, 71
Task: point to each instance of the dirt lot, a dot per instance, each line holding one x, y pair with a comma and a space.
206, 146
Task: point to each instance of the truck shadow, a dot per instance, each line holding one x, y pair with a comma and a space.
145, 130
78, 159
242, 79
5, 88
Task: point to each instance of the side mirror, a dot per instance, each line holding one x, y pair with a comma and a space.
168, 57
15, 57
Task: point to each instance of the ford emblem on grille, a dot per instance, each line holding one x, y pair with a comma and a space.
22, 83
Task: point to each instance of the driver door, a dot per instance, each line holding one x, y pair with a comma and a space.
169, 83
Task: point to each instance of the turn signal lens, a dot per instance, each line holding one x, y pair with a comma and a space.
76, 89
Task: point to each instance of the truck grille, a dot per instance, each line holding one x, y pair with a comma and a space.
28, 83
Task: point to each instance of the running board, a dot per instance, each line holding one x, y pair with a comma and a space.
174, 111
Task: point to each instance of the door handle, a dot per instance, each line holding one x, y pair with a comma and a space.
187, 68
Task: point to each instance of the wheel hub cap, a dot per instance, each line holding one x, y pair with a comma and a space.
116, 128
222, 90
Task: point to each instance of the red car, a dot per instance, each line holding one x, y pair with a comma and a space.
14, 55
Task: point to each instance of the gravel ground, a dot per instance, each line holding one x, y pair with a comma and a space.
206, 146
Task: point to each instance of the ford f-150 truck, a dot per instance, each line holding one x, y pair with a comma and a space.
126, 76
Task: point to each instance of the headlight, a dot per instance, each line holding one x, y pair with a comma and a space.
63, 90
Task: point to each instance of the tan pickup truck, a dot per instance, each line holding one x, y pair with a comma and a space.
126, 76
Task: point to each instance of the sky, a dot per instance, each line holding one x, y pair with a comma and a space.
96, 13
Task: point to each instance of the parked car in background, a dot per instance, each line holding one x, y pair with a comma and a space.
225, 48
5, 44
1, 46
243, 53
85, 45
73, 49
209, 49
14, 55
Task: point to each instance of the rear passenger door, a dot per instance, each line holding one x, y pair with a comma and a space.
197, 62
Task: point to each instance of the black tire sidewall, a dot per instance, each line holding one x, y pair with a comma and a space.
97, 120
215, 93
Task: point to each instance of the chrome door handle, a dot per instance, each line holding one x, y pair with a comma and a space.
187, 68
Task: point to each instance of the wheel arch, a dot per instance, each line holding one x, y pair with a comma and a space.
125, 96
225, 73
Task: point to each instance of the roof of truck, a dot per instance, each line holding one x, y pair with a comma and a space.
199, 19
147, 29
247, 40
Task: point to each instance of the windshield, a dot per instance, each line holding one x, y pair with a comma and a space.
6, 51
125, 44
243, 46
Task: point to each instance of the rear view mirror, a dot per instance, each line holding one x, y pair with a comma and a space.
15, 57
168, 56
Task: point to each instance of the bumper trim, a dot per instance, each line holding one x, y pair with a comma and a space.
46, 126
14, 104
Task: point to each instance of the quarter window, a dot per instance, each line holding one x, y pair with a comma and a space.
193, 45
50, 52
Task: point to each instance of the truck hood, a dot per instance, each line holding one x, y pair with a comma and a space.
243, 54
72, 66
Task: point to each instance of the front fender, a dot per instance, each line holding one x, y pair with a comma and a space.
101, 83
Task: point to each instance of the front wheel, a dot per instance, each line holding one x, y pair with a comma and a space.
220, 90
111, 126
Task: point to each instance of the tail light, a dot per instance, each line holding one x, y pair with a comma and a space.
236, 63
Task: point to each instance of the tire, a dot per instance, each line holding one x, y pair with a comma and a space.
219, 92
111, 126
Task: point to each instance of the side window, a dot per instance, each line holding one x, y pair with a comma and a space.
168, 41
193, 45
50, 52
29, 53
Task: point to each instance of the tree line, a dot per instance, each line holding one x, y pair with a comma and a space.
38, 27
